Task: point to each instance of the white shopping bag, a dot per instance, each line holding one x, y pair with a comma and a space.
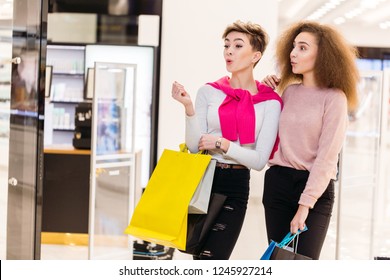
200, 200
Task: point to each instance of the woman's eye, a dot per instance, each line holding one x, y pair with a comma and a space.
226, 46
238, 46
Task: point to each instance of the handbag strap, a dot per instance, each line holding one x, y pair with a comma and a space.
183, 148
290, 237
295, 244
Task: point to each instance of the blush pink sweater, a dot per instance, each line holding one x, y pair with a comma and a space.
312, 129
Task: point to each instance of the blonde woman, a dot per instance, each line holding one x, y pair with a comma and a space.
236, 119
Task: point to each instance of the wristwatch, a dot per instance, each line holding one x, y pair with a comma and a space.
218, 143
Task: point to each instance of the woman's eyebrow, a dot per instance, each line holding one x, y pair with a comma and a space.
301, 43
237, 39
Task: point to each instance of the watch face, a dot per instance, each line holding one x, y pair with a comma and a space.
218, 144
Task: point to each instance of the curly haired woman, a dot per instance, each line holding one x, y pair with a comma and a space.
318, 82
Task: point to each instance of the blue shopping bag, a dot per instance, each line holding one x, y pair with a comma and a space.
283, 244
267, 254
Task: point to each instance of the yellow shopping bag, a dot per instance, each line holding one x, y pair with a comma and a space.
161, 214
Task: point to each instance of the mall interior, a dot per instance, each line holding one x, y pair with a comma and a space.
86, 111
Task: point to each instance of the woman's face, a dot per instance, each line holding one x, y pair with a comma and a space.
304, 53
238, 53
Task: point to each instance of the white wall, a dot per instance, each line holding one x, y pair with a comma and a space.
192, 53
366, 36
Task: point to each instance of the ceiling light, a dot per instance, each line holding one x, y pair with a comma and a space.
370, 4
324, 9
354, 13
339, 20
363, 7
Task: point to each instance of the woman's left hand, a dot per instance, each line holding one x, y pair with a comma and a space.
298, 222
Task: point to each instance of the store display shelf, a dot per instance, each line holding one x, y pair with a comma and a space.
75, 101
63, 129
75, 74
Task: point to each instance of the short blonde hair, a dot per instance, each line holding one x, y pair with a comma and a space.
258, 37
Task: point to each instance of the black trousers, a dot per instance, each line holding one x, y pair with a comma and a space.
282, 189
234, 183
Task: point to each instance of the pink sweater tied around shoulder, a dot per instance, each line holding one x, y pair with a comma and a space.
237, 113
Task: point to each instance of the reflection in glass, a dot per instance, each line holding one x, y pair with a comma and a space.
360, 170
111, 213
114, 110
144, 86
113, 161
108, 129
381, 229
5, 90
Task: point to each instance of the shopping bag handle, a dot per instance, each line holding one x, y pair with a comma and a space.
289, 237
183, 148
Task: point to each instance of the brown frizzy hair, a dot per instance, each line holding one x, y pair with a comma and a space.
258, 37
335, 65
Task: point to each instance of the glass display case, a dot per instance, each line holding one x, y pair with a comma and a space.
144, 89
381, 215
360, 173
114, 161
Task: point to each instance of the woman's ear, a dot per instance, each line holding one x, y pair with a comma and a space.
256, 57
